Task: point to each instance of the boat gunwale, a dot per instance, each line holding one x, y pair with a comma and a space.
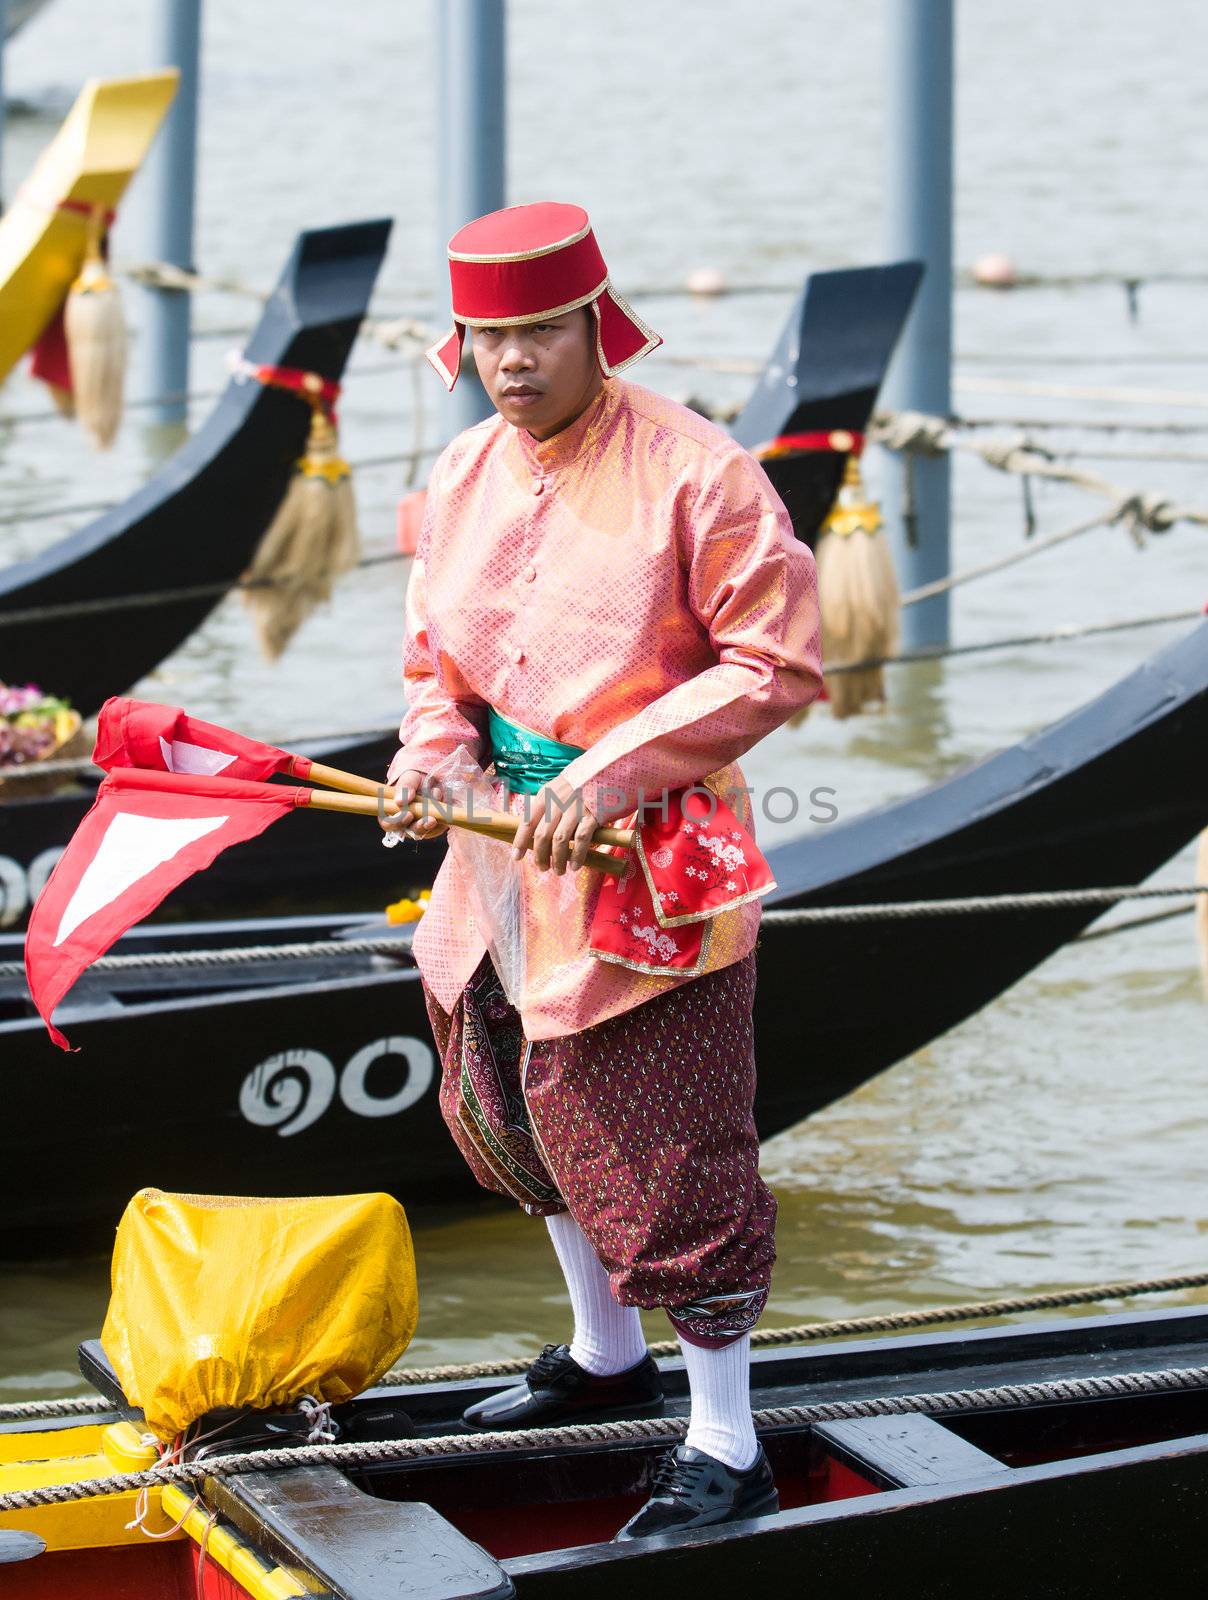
900, 828
880, 1503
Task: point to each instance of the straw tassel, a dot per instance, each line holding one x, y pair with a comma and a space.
96, 341
861, 605
310, 542
64, 400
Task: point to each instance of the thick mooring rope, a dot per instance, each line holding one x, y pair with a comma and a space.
236, 956
844, 1327
881, 911
654, 1430
973, 905
762, 1338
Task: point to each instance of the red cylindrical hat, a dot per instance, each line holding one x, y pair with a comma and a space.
528, 262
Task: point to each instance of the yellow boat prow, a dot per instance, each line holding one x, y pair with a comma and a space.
92, 158
78, 1528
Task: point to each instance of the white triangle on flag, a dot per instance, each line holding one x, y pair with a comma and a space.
181, 756
132, 847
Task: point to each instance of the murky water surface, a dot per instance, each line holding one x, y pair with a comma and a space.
1059, 1136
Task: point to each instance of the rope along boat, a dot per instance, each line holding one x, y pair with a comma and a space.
1057, 1457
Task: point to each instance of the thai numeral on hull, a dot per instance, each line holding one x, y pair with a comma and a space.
20, 886
291, 1090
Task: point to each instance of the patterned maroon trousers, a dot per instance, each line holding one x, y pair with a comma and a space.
640, 1126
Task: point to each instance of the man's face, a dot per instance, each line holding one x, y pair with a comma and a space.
543, 375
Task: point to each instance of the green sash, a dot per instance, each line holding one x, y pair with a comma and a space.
523, 759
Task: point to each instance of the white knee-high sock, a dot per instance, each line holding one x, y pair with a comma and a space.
719, 1381
608, 1337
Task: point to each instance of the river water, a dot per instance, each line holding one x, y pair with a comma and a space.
1057, 1137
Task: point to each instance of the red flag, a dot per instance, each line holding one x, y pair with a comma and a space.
146, 833
139, 733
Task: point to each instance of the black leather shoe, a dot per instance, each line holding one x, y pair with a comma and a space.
557, 1389
695, 1490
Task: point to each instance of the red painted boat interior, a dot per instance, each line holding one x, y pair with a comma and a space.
169, 1571
517, 1507
132, 1572
515, 1513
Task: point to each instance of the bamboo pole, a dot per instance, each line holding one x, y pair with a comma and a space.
333, 778
501, 827
349, 783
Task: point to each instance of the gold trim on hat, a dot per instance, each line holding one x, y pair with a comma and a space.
519, 255
434, 358
653, 340
536, 316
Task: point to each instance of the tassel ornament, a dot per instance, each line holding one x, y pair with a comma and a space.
310, 542
858, 589
96, 341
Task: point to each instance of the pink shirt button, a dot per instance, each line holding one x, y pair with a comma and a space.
538, 486
529, 574
517, 654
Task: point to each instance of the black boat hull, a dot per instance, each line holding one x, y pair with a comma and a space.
1095, 1487
319, 1075
1049, 1500
198, 521
822, 378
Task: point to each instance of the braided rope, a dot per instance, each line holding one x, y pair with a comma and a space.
44, 1410
925, 434
967, 905
1059, 635
883, 911
763, 1338
884, 1322
653, 1430
236, 956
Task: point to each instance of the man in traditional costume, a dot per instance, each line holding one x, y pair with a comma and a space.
609, 602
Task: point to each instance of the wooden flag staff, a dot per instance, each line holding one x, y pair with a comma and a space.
370, 800
349, 783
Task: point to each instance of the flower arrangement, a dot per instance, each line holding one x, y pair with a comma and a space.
33, 724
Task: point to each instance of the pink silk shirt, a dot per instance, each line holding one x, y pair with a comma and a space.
632, 586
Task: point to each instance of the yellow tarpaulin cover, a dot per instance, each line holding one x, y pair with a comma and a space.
220, 1301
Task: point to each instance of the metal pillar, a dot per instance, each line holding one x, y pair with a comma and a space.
171, 185
918, 212
3, 102
471, 107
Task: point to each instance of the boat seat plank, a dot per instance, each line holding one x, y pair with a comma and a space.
16, 1545
901, 1452
357, 1547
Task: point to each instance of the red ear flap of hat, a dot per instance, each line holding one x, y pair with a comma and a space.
621, 335
445, 355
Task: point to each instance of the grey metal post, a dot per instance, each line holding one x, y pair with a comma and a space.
471, 98
171, 184
918, 213
3, 102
